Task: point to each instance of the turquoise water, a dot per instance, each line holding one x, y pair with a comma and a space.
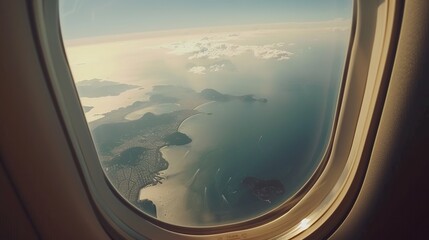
282, 139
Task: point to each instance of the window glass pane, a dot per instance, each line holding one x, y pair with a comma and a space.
205, 113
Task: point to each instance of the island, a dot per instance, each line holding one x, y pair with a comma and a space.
213, 95
264, 190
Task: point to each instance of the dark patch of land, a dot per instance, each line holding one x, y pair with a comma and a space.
177, 139
87, 108
213, 95
148, 207
95, 88
129, 157
265, 190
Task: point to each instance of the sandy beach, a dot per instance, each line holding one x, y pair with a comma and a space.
170, 197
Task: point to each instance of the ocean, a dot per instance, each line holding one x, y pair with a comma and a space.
283, 139
235, 144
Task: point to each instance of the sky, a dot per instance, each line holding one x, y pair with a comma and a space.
93, 18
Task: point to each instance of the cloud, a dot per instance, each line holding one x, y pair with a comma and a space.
339, 29
198, 70
270, 52
217, 47
216, 67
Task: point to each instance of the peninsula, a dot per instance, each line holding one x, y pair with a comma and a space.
129, 150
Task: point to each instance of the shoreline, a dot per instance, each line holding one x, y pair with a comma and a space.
197, 113
147, 110
201, 105
171, 194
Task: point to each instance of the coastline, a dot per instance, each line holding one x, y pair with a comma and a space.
202, 105
197, 113
135, 115
171, 195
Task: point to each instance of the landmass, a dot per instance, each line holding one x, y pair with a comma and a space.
264, 190
213, 95
87, 108
177, 139
95, 88
148, 207
185, 97
129, 150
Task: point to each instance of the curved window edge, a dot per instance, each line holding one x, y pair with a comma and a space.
366, 73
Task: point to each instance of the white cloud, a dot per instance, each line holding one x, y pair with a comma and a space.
339, 29
270, 52
216, 67
198, 70
203, 70
217, 47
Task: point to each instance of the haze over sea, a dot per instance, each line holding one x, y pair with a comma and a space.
297, 69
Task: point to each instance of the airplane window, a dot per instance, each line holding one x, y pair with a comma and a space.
208, 113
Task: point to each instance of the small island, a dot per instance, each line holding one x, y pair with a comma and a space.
264, 190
